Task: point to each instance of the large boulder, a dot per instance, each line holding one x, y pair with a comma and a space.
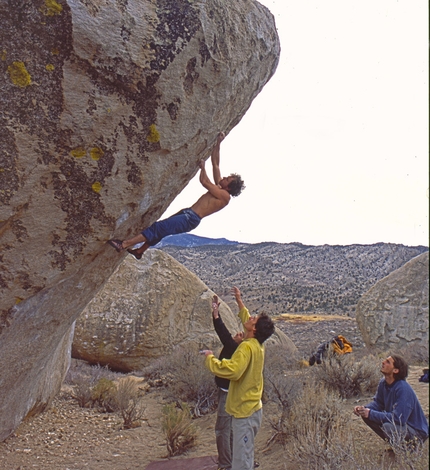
394, 313
106, 108
145, 310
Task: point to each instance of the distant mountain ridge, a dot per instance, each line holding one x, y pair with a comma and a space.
292, 277
191, 241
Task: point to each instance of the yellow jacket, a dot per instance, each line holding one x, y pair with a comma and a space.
245, 372
347, 346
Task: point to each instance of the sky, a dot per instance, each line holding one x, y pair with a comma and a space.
335, 148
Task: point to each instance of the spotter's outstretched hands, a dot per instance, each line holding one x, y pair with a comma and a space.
236, 292
215, 306
238, 297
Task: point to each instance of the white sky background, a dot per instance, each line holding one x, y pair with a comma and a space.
334, 150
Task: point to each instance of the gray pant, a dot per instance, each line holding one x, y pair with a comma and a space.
223, 433
244, 432
393, 432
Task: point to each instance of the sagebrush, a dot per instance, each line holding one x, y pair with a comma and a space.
180, 432
111, 392
186, 379
104, 395
281, 389
129, 402
347, 376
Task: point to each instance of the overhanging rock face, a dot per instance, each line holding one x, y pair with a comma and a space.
106, 108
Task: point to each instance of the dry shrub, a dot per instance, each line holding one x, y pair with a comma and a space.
342, 449
123, 397
129, 402
80, 377
96, 386
83, 377
186, 379
321, 435
409, 454
364, 454
82, 391
178, 428
281, 388
413, 459
317, 427
93, 373
348, 377
104, 395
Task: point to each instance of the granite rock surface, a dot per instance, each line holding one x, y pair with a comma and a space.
106, 108
394, 313
146, 310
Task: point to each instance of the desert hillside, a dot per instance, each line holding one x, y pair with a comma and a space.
294, 278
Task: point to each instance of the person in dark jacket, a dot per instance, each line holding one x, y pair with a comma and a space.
395, 413
223, 430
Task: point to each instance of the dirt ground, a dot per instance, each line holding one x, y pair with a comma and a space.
67, 437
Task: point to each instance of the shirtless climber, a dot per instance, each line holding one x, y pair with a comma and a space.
217, 197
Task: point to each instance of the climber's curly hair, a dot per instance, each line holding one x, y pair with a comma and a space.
236, 186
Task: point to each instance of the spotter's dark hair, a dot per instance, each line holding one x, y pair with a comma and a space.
401, 364
264, 328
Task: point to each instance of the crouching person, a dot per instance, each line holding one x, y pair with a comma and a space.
395, 413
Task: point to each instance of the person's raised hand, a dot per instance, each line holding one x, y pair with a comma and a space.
236, 292
215, 305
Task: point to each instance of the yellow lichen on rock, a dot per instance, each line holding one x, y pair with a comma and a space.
96, 187
78, 152
19, 75
51, 8
96, 153
3, 55
154, 135
49, 67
